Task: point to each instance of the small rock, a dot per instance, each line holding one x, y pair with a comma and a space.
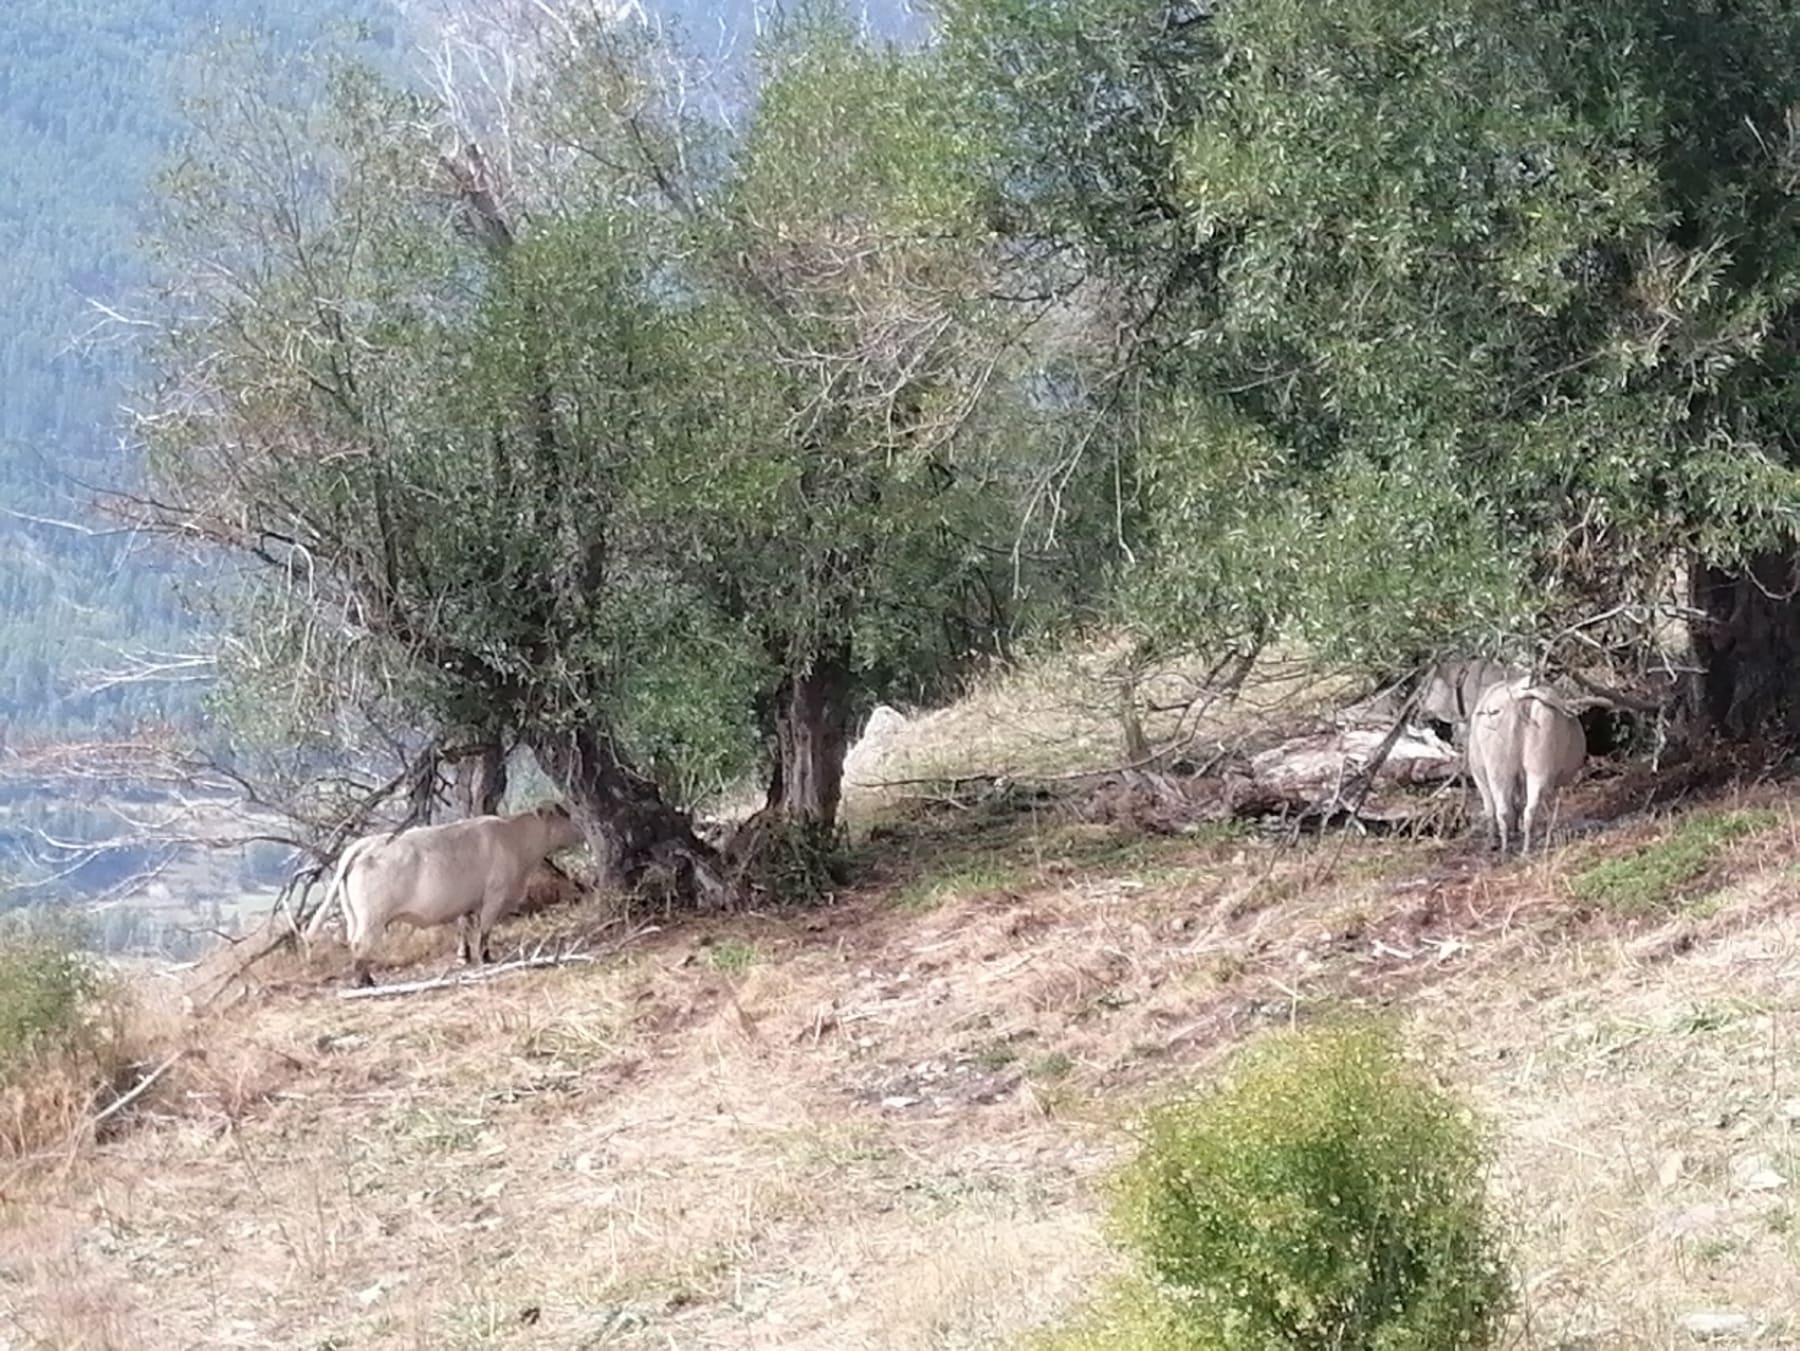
1712, 1326
584, 1163
1670, 1171
1791, 1110
899, 1101
370, 1295
1697, 1219
1756, 1172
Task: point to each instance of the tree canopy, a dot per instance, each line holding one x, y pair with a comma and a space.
555, 408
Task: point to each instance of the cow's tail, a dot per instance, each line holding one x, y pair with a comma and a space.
353, 852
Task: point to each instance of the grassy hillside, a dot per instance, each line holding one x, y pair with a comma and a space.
887, 1122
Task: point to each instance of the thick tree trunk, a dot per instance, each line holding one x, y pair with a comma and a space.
479, 781
812, 734
1748, 649
627, 824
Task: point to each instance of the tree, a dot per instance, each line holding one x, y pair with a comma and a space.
1492, 326
626, 439
374, 407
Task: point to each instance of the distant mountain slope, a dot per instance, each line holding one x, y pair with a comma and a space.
87, 112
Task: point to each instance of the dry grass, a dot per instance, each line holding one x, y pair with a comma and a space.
887, 1123
1060, 714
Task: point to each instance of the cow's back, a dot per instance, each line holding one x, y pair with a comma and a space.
1494, 731
430, 875
1453, 689
1553, 745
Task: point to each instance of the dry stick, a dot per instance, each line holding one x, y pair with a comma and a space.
87, 1129
533, 963
1369, 772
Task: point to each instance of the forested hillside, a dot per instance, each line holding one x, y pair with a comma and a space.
89, 106
88, 109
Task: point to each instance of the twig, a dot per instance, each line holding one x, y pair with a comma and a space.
537, 961
124, 1100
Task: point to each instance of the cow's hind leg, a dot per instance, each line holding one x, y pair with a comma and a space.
496, 906
359, 934
1487, 826
359, 960
492, 907
1534, 793
1504, 792
1541, 805
465, 939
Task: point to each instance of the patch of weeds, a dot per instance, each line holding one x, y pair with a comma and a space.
994, 1055
797, 862
1705, 907
1711, 1252
1149, 858
1324, 1193
1267, 892
1712, 1014
1376, 865
47, 989
1653, 879
1226, 969
973, 878
839, 1147
1051, 1067
67, 1035
432, 1131
732, 956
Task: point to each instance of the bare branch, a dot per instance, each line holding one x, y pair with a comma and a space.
534, 962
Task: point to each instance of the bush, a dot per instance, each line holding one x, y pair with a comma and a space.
1325, 1195
65, 1038
795, 862
47, 990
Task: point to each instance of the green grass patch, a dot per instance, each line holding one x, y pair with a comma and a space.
1653, 879
1051, 1067
732, 955
969, 878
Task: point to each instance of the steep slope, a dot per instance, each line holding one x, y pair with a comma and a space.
887, 1122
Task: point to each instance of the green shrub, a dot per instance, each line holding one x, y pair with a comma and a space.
1654, 877
1324, 1195
797, 862
48, 993
69, 1039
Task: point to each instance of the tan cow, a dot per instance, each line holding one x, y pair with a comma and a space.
474, 872
1452, 688
1523, 735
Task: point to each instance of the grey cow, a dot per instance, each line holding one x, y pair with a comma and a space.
1453, 687
1525, 742
473, 872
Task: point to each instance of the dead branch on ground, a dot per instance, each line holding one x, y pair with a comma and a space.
536, 961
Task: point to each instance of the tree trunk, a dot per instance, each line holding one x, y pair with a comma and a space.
627, 824
1748, 649
812, 733
480, 780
